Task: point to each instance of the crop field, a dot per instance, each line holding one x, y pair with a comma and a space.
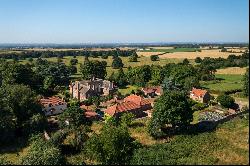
232, 70
225, 82
8, 51
214, 53
171, 50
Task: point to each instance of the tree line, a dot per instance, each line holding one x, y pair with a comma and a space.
48, 54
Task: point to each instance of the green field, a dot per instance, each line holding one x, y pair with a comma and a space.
125, 60
226, 82
172, 50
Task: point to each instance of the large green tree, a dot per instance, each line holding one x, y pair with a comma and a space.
156, 75
117, 63
75, 117
179, 73
139, 75
93, 69
133, 57
49, 74
21, 102
172, 108
120, 78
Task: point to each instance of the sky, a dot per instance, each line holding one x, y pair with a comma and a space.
123, 21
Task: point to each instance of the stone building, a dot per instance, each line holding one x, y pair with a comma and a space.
82, 90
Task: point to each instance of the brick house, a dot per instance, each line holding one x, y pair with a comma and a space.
53, 105
152, 91
82, 90
200, 95
90, 112
133, 103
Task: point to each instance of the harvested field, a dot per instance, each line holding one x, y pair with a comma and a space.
190, 55
148, 54
168, 50
232, 70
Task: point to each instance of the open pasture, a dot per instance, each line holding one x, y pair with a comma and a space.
215, 53
125, 60
224, 82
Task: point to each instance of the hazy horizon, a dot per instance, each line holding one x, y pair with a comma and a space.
126, 21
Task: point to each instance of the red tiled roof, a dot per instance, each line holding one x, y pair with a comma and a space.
89, 114
52, 100
137, 99
87, 108
89, 111
198, 92
148, 90
122, 107
156, 89
131, 102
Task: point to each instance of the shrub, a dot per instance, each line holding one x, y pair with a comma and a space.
127, 118
104, 56
198, 60
154, 57
43, 153
185, 61
112, 146
200, 106
4, 162
73, 61
226, 100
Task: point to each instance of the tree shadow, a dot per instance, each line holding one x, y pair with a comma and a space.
123, 87
200, 127
192, 129
219, 79
69, 150
14, 146
136, 124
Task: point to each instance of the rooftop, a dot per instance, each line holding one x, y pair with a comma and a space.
52, 101
198, 92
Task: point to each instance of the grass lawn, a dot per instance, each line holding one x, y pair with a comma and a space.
172, 50
195, 117
127, 89
228, 144
224, 82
